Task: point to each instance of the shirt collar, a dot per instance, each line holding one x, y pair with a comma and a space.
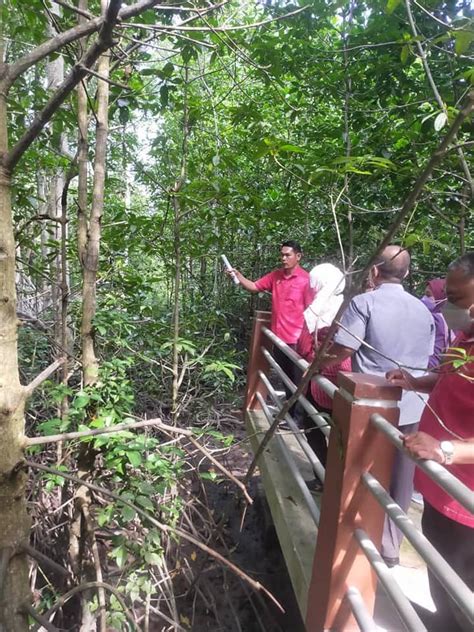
390, 286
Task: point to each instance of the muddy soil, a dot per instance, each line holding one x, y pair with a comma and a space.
220, 601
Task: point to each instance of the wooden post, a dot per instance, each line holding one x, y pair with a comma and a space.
355, 447
257, 360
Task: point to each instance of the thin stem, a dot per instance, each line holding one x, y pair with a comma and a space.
162, 527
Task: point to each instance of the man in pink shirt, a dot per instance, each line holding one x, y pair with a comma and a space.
291, 295
446, 435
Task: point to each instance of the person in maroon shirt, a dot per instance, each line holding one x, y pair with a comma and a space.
291, 295
446, 435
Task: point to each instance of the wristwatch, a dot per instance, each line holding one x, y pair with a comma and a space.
447, 449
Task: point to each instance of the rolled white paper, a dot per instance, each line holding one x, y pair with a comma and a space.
229, 267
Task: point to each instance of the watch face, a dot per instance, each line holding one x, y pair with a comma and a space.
447, 447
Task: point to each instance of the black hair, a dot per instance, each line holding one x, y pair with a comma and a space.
464, 263
290, 243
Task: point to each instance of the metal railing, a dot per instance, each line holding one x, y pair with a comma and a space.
453, 584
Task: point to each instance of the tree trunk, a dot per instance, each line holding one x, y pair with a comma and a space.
14, 522
91, 256
177, 254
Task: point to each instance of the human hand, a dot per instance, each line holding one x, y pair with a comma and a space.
398, 377
423, 446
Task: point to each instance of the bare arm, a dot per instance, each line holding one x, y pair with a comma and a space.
335, 355
423, 384
424, 446
247, 284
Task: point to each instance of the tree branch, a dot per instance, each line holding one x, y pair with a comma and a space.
68, 436
157, 423
44, 559
69, 36
436, 93
162, 527
78, 72
39, 618
69, 7
220, 29
41, 377
111, 82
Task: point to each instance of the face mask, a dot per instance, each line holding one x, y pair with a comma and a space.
431, 303
457, 318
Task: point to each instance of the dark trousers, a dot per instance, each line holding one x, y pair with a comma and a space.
455, 542
316, 438
401, 490
294, 373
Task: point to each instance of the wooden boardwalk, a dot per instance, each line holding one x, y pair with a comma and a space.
297, 531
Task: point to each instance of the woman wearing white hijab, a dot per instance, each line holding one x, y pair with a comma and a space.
328, 282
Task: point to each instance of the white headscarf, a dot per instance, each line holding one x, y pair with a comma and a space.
329, 283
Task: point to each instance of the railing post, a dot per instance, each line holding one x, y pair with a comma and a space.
355, 446
257, 361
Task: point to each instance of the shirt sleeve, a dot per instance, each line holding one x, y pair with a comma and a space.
265, 284
354, 320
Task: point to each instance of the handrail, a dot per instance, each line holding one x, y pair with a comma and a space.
318, 419
347, 563
311, 456
328, 387
312, 507
451, 581
359, 610
437, 472
403, 606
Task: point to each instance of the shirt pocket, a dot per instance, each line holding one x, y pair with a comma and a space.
294, 295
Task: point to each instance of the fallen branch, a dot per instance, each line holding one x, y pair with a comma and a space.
68, 436
44, 559
162, 527
42, 377
220, 467
43, 621
157, 423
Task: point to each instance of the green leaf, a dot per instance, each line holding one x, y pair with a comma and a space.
81, 401
164, 95
167, 70
135, 458
128, 513
291, 148
124, 116
405, 54
105, 515
392, 5
145, 502
462, 41
120, 555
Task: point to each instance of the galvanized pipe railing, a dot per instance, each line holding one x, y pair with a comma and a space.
404, 608
437, 472
359, 610
292, 467
297, 433
453, 584
328, 387
318, 419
